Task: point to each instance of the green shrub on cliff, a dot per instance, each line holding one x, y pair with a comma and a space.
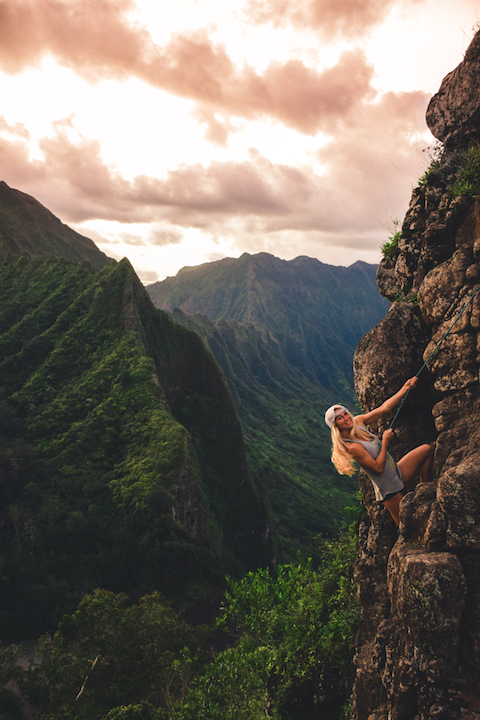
390, 248
457, 169
468, 179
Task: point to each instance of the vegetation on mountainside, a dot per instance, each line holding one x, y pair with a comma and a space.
284, 334
316, 313
282, 415
124, 475
28, 228
289, 652
107, 435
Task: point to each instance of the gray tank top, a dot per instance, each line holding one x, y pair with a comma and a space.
390, 480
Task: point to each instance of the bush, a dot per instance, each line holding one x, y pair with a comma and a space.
390, 248
468, 180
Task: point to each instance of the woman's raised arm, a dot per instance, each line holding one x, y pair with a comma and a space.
388, 406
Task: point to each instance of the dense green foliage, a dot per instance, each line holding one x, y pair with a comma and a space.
122, 459
294, 655
109, 654
289, 652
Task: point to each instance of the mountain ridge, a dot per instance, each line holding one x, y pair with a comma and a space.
297, 297
26, 226
122, 459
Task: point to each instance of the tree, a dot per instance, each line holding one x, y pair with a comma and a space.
109, 654
293, 656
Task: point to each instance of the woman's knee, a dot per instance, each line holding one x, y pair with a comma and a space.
427, 450
424, 451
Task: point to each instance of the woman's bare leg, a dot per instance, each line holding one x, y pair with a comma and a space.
393, 506
418, 460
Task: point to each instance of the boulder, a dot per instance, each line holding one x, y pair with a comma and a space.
453, 114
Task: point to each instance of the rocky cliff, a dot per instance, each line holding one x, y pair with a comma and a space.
419, 636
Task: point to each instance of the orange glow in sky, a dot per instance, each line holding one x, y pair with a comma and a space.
175, 132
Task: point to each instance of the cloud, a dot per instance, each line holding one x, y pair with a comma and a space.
75, 183
18, 129
217, 131
164, 235
331, 18
130, 239
97, 39
378, 160
312, 101
94, 36
370, 167
16, 165
149, 276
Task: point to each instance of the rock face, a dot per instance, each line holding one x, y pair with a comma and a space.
419, 633
453, 114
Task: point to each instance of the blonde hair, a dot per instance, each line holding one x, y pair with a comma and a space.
341, 458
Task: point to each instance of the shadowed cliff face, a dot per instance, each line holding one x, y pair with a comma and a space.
420, 628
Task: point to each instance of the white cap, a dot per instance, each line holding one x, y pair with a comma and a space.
332, 413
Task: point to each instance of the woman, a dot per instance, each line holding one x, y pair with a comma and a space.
352, 442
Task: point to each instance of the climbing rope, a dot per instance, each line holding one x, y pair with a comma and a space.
434, 351
379, 702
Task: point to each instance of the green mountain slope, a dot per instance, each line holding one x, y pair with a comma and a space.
284, 334
282, 418
27, 227
122, 462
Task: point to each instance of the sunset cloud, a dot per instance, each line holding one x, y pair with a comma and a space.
17, 129
370, 165
246, 125
97, 40
329, 17
94, 36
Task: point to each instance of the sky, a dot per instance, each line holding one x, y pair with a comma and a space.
178, 132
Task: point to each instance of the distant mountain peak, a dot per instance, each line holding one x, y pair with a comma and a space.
27, 227
323, 309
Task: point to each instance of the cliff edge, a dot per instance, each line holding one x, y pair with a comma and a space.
418, 646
